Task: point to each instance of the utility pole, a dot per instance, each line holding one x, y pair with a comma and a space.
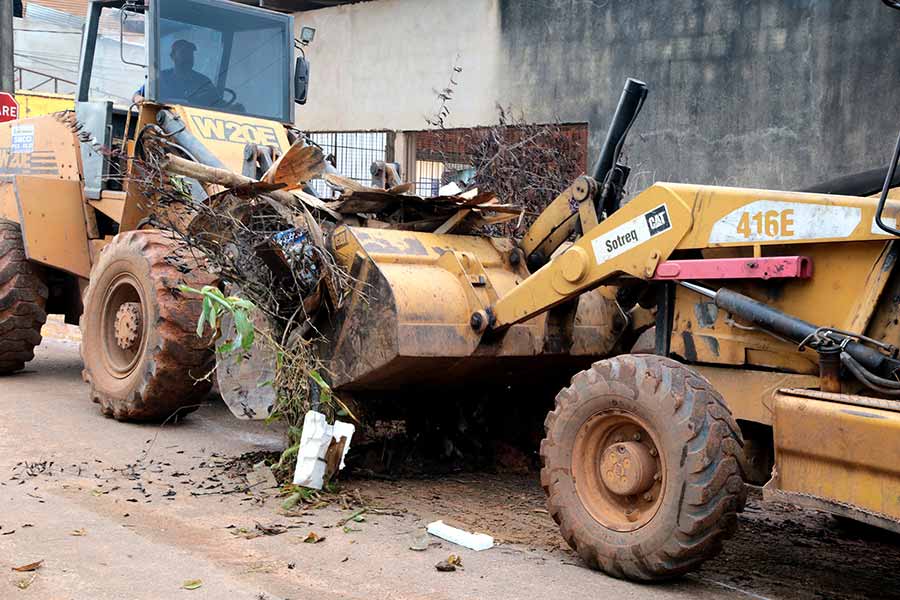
7, 75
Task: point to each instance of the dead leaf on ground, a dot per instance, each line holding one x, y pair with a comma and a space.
273, 529
78, 532
313, 538
449, 564
23, 584
29, 567
192, 584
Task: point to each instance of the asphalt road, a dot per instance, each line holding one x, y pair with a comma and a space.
116, 516
125, 511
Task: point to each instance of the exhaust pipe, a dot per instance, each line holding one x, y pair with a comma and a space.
630, 103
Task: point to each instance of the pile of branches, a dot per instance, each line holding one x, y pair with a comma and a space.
265, 246
525, 164
267, 242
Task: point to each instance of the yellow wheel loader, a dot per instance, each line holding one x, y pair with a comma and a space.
73, 234
77, 237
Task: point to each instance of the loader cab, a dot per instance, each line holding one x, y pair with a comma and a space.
234, 63
209, 54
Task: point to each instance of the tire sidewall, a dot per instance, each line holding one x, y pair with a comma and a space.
653, 404
120, 257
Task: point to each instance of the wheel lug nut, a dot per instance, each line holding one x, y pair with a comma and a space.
637, 437
656, 476
648, 496
653, 452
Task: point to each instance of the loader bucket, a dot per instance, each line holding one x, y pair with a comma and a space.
407, 322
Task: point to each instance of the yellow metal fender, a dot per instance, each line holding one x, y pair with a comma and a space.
839, 453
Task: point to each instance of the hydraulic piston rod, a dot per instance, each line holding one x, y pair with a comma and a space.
797, 330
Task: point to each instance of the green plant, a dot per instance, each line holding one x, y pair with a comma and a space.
215, 305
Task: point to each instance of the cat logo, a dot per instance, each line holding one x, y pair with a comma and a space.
223, 130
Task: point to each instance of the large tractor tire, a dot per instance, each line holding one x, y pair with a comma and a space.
642, 467
23, 296
142, 356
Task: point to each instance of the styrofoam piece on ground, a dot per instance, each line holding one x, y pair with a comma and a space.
472, 541
346, 430
314, 441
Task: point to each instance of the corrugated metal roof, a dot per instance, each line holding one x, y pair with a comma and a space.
73, 7
298, 5
53, 15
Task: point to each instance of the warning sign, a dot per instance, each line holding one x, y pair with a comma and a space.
9, 107
22, 139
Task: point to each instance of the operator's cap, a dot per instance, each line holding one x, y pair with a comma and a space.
184, 44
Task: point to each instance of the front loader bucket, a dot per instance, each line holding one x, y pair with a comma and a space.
407, 321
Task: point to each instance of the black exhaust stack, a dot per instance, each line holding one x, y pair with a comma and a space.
607, 172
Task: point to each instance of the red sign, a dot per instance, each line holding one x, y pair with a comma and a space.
9, 108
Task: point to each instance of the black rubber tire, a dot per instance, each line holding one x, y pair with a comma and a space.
169, 377
23, 296
704, 489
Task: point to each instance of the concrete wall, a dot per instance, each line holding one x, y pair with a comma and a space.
375, 65
769, 93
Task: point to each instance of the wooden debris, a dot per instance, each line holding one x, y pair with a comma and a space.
453, 221
394, 208
296, 166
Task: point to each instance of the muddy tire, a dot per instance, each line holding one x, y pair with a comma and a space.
142, 356
641, 466
23, 296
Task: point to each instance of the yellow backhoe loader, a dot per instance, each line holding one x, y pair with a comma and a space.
771, 356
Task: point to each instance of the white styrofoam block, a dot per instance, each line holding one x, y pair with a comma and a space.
314, 441
345, 430
473, 541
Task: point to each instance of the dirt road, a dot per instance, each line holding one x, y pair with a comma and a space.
135, 511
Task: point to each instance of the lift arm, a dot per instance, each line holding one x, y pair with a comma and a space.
667, 217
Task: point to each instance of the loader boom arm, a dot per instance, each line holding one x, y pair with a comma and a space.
668, 217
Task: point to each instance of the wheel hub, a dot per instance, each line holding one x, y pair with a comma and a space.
618, 469
627, 468
128, 325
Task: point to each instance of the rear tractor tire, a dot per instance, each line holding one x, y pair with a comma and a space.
642, 467
23, 296
142, 356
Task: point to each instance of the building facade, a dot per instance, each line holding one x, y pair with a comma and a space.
770, 93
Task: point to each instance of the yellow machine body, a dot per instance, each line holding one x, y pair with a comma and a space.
839, 453
829, 450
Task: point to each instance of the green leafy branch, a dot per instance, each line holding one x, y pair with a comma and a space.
215, 306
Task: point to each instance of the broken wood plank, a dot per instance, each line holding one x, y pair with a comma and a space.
296, 166
354, 205
347, 184
312, 202
453, 221
403, 188
200, 172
